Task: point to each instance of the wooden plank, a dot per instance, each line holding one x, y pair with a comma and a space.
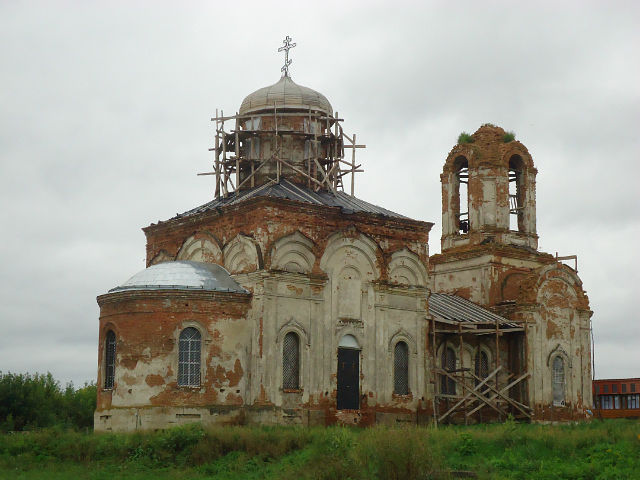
468, 395
298, 170
433, 372
493, 397
237, 159
480, 397
353, 165
253, 172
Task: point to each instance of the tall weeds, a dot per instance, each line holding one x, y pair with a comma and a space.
598, 450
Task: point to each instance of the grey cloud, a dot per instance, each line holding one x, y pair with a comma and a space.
105, 122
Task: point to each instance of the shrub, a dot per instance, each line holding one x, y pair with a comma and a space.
465, 137
35, 401
508, 137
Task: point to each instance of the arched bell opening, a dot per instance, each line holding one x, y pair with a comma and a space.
516, 193
461, 195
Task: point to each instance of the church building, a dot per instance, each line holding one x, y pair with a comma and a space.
287, 300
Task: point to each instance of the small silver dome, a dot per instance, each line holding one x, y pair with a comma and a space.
182, 275
285, 94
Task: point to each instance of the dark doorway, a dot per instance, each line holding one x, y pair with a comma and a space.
348, 379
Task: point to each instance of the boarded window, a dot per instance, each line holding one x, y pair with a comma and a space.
109, 359
558, 381
291, 362
448, 362
189, 346
401, 369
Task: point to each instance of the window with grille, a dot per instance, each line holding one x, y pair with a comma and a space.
482, 366
291, 362
448, 362
189, 345
109, 359
558, 381
633, 401
614, 388
401, 369
624, 388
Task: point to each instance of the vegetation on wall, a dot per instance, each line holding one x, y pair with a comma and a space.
465, 137
508, 137
29, 402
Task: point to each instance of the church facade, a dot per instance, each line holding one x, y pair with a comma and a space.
286, 300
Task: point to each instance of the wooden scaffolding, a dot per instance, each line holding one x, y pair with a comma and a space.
237, 161
501, 391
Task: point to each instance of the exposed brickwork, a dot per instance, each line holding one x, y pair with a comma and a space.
326, 276
267, 220
147, 325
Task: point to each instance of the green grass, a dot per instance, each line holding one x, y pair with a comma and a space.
597, 450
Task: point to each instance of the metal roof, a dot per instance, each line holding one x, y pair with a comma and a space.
457, 309
182, 275
285, 94
290, 191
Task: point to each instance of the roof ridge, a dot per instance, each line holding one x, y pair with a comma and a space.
285, 189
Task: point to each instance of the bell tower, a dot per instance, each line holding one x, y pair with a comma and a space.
490, 256
488, 192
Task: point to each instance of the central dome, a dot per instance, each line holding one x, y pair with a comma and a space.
285, 94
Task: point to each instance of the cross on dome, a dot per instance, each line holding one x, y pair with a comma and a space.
287, 46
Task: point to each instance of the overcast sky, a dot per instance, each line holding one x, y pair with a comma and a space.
105, 121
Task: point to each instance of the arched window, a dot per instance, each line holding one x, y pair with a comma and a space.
189, 347
516, 193
461, 194
401, 369
448, 362
558, 381
291, 362
482, 366
109, 359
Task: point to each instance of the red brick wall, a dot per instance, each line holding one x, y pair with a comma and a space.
147, 324
267, 220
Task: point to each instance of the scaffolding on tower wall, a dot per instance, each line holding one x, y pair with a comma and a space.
238, 160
